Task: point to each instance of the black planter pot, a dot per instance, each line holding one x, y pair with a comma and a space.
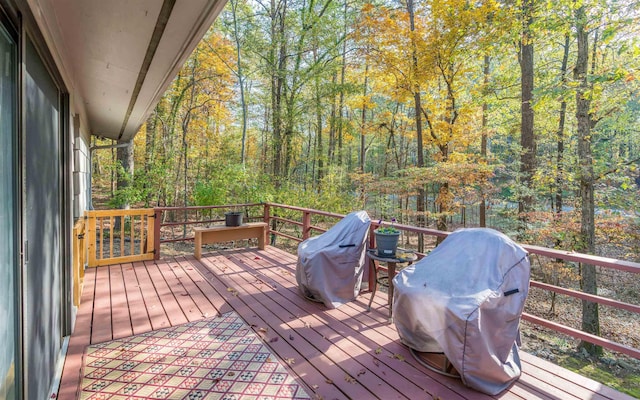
387, 243
233, 218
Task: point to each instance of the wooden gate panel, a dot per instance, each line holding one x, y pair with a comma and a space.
120, 236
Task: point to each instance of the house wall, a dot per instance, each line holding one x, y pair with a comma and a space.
81, 168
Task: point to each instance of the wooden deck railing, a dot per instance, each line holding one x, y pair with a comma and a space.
296, 224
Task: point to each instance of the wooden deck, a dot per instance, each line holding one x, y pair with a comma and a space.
346, 353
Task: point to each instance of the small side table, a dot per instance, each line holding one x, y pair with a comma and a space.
374, 266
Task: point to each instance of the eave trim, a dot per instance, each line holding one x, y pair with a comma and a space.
158, 32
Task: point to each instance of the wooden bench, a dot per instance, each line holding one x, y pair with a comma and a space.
217, 234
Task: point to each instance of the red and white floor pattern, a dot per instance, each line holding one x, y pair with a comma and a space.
215, 358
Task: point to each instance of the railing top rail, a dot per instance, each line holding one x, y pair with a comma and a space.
414, 229
310, 210
192, 208
118, 212
628, 266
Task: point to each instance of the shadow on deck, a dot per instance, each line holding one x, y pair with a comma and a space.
338, 354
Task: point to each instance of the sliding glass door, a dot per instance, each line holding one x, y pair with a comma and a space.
8, 217
43, 316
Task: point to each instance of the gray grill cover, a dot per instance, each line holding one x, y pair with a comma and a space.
465, 299
330, 266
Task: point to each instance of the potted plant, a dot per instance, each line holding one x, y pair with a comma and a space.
233, 218
387, 240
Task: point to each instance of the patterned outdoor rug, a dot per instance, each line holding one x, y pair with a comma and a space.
216, 358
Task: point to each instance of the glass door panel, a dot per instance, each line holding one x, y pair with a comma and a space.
8, 219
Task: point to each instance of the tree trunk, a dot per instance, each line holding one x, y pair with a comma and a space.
420, 207
114, 179
277, 59
125, 171
343, 70
186, 121
364, 119
527, 137
590, 317
442, 199
149, 151
332, 123
483, 140
243, 104
560, 135
310, 156
444, 195
124, 157
319, 149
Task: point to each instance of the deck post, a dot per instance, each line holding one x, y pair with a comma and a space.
78, 261
157, 221
266, 217
372, 236
306, 224
91, 233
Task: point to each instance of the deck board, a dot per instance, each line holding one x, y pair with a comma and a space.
537, 379
81, 337
204, 307
103, 331
157, 316
121, 318
140, 321
187, 304
338, 354
167, 299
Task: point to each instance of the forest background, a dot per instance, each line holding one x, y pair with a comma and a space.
519, 115
523, 116
420, 111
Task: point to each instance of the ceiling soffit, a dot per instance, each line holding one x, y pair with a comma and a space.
119, 56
